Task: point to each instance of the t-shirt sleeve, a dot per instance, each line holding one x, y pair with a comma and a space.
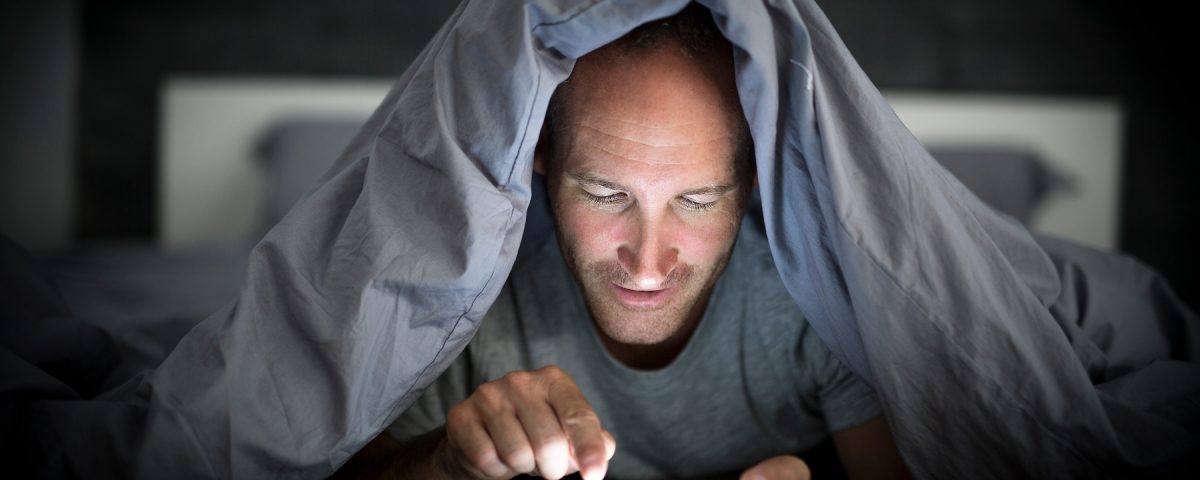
463, 376
842, 397
429, 411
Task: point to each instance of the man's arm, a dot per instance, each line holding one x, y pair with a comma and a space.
867, 451
526, 422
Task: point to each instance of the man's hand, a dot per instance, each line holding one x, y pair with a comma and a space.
526, 422
783, 467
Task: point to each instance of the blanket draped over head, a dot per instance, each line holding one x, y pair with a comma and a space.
995, 353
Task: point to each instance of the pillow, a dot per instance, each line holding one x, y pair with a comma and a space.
1013, 180
293, 153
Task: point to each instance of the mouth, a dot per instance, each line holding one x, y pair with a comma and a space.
643, 299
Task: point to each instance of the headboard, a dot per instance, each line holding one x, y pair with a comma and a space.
210, 184
212, 187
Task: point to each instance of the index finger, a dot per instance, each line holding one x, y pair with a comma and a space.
582, 426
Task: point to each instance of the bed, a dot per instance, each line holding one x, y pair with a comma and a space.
237, 153
220, 193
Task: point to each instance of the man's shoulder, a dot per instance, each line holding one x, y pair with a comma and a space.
753, 249
536, 282
751, 270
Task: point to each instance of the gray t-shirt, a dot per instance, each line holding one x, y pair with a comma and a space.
753, 381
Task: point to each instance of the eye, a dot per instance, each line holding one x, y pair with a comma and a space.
603, 196
697, 204
605, 199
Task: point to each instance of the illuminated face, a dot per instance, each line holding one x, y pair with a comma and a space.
643, 187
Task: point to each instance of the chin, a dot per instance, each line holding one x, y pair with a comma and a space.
628, 325
637, 328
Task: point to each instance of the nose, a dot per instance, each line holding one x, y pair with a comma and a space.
648, 256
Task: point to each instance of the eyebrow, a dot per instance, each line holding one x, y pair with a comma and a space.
588, 178
711, 190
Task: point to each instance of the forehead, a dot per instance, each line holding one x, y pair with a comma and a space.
657, 112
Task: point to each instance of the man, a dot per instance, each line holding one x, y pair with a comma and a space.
680, 366
993, 350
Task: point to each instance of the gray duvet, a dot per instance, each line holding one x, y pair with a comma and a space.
994, 352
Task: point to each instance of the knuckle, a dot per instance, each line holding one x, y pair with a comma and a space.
484, 460
489, 390
518, 378
518, 459
553, 372
579, 416
491, 397
460, 414
499, 397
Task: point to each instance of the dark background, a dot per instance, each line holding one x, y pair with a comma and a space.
116, 54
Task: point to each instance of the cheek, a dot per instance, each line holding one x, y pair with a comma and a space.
592, 235
703, 242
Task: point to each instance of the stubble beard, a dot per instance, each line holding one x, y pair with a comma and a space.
632, 326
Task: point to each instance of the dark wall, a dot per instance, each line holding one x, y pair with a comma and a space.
1134, 52
38, 50
131, 47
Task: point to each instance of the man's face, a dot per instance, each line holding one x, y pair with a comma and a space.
643, 187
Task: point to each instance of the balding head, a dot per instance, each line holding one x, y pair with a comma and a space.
647, 160
688, 43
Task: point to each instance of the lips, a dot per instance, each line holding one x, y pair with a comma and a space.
643, 300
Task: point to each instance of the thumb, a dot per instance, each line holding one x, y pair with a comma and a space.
610, 448
610, 444
783, 467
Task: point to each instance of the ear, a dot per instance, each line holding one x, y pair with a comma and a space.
539, 153
539, 161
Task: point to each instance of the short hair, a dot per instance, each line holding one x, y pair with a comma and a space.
692, 30
696, 35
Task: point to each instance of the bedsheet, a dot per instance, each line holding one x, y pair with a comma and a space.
988, 349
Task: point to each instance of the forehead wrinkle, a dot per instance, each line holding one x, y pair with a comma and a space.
648, 154
623, 156
647, 125
692, 140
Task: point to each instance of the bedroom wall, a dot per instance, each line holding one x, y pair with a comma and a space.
39, 55
130, 48
1088, 48
1085, 48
